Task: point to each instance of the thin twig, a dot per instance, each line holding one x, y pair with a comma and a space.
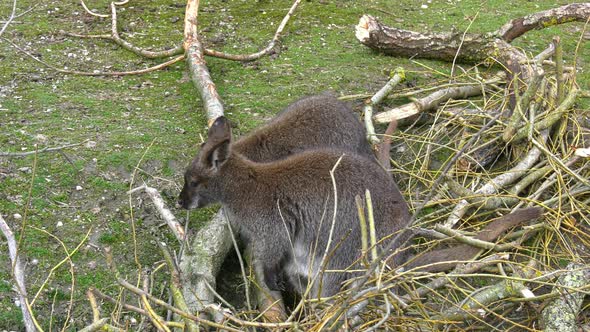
99, 73
10, 18
398, 76
170, 219
91, 12
48, 149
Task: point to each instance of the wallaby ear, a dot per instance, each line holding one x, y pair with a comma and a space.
216, 149
220, 130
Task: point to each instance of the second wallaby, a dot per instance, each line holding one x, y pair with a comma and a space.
310, 122
287, 210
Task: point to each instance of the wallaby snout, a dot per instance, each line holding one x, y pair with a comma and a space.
184, 199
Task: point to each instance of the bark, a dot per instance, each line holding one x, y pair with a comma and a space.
561, 314
465, 47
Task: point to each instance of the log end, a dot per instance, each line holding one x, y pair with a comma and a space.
362, 30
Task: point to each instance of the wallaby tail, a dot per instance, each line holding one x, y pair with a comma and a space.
446, 259
385, 145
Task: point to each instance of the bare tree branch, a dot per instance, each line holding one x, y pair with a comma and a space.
569, 13
561, 314
28, 153
98, 73
116, 38
197, 64
169, 218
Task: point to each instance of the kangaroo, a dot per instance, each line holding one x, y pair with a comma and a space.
283, 209
311, 122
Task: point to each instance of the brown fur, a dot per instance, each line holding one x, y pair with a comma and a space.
434, 261
385, 146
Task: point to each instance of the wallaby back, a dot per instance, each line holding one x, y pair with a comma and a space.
311, 122
287, 210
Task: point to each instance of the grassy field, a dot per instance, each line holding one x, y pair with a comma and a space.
136, 129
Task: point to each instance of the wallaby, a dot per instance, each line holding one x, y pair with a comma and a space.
284, 209
311, 122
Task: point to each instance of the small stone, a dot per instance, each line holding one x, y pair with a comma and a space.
25, 169
424, 6
92, 265
34, 261
95, 210
90, 144
59, 224
17, 216
78, 188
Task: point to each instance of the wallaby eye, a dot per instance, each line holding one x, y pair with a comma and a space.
194, 183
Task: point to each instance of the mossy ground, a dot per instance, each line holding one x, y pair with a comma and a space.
155, 121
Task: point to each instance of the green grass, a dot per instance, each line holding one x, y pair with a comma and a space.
159, 116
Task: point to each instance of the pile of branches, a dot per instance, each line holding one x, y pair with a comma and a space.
515, 143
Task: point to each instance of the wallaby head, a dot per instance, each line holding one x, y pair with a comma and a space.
207, 164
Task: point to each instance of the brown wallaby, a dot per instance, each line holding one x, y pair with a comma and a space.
311, 122
287, 212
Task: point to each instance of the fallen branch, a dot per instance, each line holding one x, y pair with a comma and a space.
197, 65
140, 292
168, 217
398, 76
481, 298
267, 50
91, 12
450, 47
429, 102
456, 273
10, 18
175, 289
550, 119
464, 47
